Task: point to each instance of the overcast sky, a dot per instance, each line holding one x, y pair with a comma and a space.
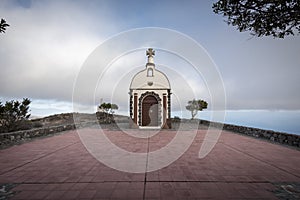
47, 43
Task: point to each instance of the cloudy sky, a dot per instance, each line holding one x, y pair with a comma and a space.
44, 49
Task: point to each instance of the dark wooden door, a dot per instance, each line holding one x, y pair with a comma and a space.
150, 111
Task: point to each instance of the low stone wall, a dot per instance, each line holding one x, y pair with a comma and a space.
278, 137
7, 139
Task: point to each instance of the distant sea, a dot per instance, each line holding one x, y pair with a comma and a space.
279, 120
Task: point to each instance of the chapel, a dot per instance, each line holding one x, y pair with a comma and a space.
150, 97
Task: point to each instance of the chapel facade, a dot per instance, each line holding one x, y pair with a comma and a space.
150, 97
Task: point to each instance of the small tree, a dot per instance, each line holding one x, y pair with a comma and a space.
3, 25
108, 109
13, 113
196, 105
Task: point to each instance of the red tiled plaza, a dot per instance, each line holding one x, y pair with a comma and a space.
238, 167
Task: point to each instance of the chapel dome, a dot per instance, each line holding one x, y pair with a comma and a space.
150, 78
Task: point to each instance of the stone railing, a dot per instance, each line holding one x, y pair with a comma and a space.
277, 137
7, 139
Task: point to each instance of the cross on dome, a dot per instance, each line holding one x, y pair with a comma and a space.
150, 53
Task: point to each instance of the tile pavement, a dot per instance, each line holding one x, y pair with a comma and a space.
60, 167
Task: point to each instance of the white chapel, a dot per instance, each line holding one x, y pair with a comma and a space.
150, 97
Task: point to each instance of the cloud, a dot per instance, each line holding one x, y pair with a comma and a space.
262, 74
44, 49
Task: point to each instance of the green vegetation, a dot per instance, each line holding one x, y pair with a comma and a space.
262, 18
14, 115
196, 105
108, 109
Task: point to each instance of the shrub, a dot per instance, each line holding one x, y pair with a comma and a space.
14, 115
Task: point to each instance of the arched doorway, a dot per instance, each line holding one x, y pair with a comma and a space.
150, 111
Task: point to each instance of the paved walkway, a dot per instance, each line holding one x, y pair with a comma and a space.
239, 167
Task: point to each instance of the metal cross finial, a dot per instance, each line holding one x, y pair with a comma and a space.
150, 52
